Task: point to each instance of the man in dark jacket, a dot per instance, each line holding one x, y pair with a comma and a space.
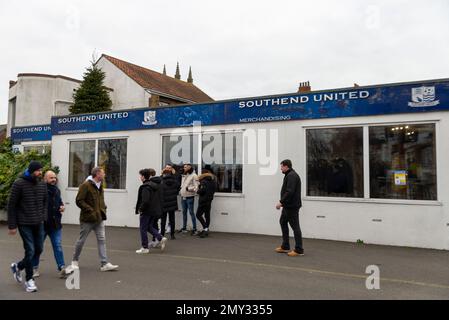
149, 206
27, 211
290, 203
90, 199
206, 192
53, 226
170, 190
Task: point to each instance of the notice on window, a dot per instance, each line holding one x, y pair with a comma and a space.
400, 178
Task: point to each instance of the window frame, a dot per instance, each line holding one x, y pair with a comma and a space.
96, 160
200, 151
366, 168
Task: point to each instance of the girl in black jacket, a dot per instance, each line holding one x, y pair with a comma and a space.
170, 190
206, 190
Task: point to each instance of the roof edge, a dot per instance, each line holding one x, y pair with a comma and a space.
43, 75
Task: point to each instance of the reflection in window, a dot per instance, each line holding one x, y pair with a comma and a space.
222, 153
180, 149
335, 162
402, 162
112, 158
81, 161
41, 149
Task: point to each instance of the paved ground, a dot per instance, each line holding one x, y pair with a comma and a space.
232, 266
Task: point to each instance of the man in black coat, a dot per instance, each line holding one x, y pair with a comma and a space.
290, 202
27, 211
206, 191
149, 207
170, 190
53, 225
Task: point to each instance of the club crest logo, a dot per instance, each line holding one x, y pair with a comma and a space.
423, 97
149, 118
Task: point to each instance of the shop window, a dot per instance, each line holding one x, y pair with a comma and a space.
81, 161
403, 162
41, 149
180, 149
222, 153
112, 157
335, 162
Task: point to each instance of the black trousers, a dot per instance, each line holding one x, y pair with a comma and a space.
155, 225
171, 220
290, 216
204, 209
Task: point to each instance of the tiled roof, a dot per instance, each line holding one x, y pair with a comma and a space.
159, 82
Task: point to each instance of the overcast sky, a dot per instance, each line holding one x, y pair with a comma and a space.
236, 48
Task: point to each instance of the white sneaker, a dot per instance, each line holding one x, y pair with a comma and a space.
155, 244
108, 267
36, 273
17, 274
142, 251
71, 268
163, 243
30, 286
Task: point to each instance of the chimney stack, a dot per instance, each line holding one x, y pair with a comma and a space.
304, 87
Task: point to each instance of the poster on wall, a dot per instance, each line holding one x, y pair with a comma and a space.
400, 178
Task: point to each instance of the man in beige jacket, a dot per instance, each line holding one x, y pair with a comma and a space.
189, 186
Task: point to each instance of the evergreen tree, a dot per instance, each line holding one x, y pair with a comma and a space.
91, 96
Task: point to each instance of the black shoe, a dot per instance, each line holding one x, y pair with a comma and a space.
194, 233
181, 230
204, 234
172, 237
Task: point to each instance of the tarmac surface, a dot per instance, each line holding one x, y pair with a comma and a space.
230, 267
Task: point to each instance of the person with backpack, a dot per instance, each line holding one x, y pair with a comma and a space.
149, 207
206, 190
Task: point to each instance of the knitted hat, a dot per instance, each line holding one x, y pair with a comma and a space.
34, 166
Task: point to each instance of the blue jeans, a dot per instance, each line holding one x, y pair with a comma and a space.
33, 242
187, 203
55, 238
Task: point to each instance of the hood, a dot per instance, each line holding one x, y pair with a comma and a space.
169, 179
156, 179
27, 176
154, 182
95, 183
207, 176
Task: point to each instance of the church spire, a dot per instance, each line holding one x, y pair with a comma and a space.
178, 74
190, 79
164, 72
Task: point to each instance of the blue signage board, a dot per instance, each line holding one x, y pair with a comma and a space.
31, 133
380, 100
358, 101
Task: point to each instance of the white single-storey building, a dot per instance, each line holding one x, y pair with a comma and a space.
371, 160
